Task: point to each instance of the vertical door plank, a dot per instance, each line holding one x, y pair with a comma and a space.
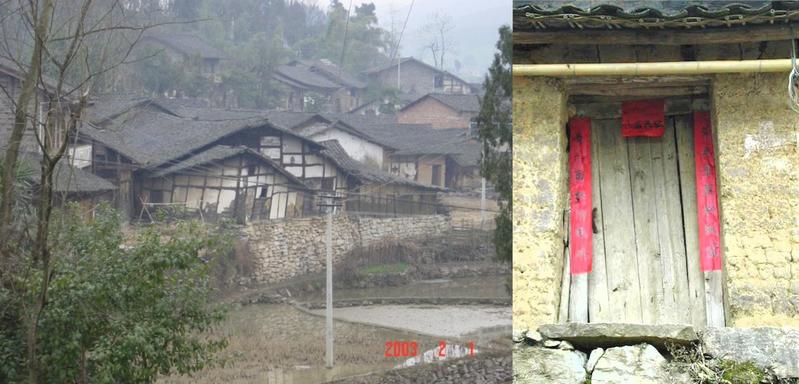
696, 281
646, 227
598, 303
714, 299
620, 254
578, 298
670, 229
676, 227
565, 290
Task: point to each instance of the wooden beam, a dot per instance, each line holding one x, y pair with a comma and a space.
642, 92
610, 107
637, 81
732, 35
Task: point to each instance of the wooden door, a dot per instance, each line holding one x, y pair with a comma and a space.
645, 256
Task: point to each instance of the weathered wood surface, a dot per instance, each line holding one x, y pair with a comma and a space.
620, 255
565, 291
645, 215
683, 126
578, 300
598, 305
714, 298
637, 92
604, 108
671, 230
643, 271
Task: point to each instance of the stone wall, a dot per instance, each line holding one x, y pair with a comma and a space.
539, 195
282, 249
757, 136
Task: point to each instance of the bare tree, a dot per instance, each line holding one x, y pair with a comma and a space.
60, 49
437, 32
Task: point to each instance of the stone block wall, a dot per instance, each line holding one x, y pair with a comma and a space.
757, 137
282, 249
540, 177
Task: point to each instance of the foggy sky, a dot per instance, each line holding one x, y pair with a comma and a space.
476, 24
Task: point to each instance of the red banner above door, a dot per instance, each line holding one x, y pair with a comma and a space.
645, 118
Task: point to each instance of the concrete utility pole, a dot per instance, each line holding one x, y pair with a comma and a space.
329, 290
483, 203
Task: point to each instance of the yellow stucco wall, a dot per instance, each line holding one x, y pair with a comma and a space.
758, 169
539, 194
757, 138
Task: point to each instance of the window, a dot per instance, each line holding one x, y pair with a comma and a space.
328, 183
436, 175
439, 81
156, 197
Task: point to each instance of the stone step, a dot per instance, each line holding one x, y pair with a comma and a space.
586, 337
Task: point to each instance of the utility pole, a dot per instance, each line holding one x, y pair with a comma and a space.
329, 290
483, 188
329, 203
483, 202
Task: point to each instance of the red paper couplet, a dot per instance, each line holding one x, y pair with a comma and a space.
643, 118
706, 195
580, 238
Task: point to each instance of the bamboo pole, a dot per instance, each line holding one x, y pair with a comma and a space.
653, 69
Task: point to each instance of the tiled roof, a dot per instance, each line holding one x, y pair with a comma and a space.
317, 74
299, 75
642, 14
187, 43
334, 73
460, 103
152, 138
416, 139
222, 152
104, 107
335, 152
65, 177
406, 60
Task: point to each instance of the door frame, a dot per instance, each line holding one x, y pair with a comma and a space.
573, 307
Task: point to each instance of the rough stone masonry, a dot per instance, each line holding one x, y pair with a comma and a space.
282, 249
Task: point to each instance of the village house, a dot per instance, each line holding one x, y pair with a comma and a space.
318, 86
655, 160
189, 50
133, 146
245, 164
71, 182
447, 158
199, 62
373, 190
415, 77
355, 143
441, 110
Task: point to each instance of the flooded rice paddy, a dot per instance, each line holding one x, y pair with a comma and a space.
278, 344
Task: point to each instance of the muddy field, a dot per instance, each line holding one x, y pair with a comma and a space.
278, 344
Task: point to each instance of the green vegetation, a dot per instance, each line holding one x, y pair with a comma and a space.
384, 269
494, 124
117, 309
715, 371
740, 373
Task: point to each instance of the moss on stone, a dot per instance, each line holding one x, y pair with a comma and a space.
740, 373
